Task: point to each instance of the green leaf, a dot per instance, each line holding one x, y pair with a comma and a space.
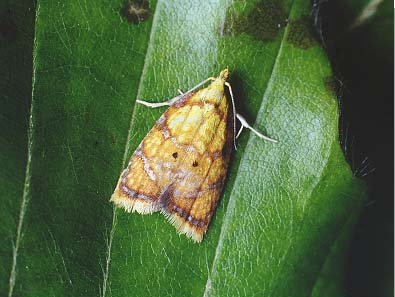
283, 204
16, 39
332, 280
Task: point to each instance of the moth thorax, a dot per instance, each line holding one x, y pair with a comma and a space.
215, 92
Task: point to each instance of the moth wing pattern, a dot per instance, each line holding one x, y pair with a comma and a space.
144, 181
180, 166
191, 211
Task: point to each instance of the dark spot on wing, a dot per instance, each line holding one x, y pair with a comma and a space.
136, 11
165, 197
175, 155
263, 22
195, 164
301, 33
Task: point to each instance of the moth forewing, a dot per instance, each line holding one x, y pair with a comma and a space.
180, 166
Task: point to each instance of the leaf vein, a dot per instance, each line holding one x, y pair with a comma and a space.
126, 150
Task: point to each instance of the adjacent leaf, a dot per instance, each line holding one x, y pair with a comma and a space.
333, 279
368, 12
66, 225
363, 56
16, 39
283, 205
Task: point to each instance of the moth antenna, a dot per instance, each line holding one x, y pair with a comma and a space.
234, 115
169, 180
172, 100
200, 84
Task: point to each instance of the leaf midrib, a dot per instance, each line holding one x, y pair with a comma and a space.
26, 183
230, 206
127, 145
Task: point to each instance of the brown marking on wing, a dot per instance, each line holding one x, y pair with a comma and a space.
180, 166
137, 189
193, 203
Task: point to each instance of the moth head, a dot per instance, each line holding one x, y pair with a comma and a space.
224, 74
216, 89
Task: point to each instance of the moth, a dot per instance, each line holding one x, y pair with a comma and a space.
179, 168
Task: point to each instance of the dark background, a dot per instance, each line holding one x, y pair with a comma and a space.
363, 61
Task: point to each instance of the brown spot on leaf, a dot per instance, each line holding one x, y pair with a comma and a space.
263, 22
301, 33
136, 11
113, 140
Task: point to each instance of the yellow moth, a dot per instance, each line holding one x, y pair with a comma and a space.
180, 166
